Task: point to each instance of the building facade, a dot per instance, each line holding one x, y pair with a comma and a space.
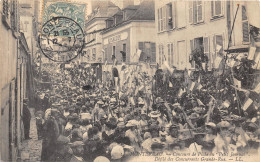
93, 51
182, 27
14, 65
128, 31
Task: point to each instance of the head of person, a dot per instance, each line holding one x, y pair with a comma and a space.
174, 131
77, 148
223, 128
211, 128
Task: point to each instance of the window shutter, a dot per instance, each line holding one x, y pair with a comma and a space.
245, 26
164, 18
172, 63
195, 12
141, 47
200, 12
212, 8
191, 49
245, 32
219, 42
190, 12
169, 53
153, 53
207, 50
163, 56
173, 15
159, 20
244, 16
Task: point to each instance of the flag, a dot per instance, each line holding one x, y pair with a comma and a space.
199, 86
170, 84
132, 101
237, 83
248, 102
218, 61
137, 55
191, 86
232, 63
141, 88
218, 48
200, 103
189, 73
181, 92
257, 88
252, 15
257, 61
203, 66
251, 53
115, 62
171, 70
226, 104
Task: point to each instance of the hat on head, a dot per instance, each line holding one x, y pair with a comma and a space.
198, 110
117, 152
121, 125
77, 143
194, 116
211, 124
223, 124
155, 114
176, 104
101, 159
100, 102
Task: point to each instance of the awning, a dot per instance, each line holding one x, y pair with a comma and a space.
238, 49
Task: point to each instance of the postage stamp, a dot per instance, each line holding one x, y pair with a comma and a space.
61, 39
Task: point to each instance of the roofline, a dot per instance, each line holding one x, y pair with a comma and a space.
88, 22
123, 24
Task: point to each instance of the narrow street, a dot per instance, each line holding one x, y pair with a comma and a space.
31, 149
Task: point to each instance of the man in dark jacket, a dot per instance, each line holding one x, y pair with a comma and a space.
26, 119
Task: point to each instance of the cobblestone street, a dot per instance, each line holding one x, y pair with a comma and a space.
31, 149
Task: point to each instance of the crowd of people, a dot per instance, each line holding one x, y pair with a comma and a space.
98, 125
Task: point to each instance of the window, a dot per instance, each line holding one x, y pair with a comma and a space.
113, 53
216, 9
191, 49
94, 54
170, 53
88, 55
196, 14
207, 51
148, 51
161, 54
245, 25
124, 54
105, 54
182, 55
162, 19
218, 46
170, 15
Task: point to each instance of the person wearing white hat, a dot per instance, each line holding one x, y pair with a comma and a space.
223, 138
117, 153
133, 134
101, 159
208, 140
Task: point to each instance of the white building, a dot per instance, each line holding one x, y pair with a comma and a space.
129, 30
182, 26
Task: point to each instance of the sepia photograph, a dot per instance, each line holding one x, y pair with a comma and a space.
129, 80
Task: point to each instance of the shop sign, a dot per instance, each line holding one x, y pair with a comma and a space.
116, 38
